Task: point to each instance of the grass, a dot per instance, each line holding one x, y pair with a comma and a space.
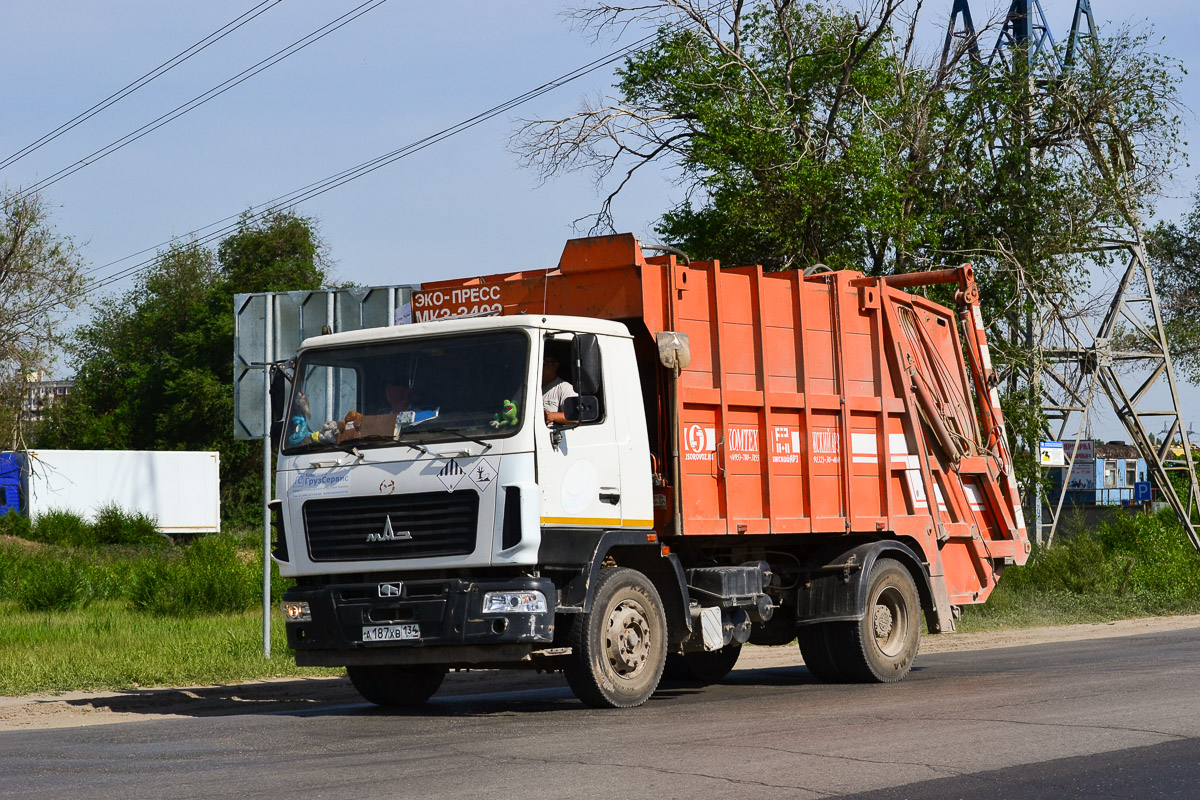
114, 605
112, 526
1038, 608
213, 574
109, 646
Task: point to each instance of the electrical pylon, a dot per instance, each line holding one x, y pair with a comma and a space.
1080, 356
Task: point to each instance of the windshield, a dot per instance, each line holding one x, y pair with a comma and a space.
432, 389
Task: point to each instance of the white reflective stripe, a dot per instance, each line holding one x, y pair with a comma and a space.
974, 498
916, 488
986, 355
898, 444
867, 445
1020, 517
994, 396
863, 443
937, 495
913, 462
978, 317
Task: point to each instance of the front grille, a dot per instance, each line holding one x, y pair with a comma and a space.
440, 524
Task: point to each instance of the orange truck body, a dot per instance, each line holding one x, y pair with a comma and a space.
832, 403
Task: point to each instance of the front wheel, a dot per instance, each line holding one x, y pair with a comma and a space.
396, 686
619, 647
880, 647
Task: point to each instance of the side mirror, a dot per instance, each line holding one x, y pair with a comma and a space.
278, 388
276, 434
584, 408
585, 364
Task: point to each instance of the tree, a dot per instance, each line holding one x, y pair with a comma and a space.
1174, 252
808, 134
40, 282
154, 367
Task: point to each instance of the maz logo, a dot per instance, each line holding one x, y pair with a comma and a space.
388, 535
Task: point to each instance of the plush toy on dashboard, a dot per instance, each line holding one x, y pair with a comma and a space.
299, 431
507, 416
350, 428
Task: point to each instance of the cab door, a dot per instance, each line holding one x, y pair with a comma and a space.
579, 464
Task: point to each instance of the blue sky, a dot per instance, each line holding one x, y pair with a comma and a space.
400, 72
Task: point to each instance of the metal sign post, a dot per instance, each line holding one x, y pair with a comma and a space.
266, 440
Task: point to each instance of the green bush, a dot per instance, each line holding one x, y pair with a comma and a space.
1153, 555
1129, 565
64, 528
111, 578
48, 582
14, 524
115, 526
10, 564
1079, 565
207, 576
213, 574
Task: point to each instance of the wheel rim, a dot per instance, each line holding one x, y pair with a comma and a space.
628, 639
889, 622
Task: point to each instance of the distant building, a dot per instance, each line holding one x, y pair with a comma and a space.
1104, 474
40, 395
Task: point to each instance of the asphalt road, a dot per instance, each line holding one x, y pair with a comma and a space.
1109, 718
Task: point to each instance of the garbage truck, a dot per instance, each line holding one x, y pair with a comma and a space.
632, 464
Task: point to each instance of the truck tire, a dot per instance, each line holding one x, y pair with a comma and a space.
619, 647
396, 686
703, 667
818, 643
880, 647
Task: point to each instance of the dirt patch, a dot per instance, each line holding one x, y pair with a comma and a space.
17, 543
74, 709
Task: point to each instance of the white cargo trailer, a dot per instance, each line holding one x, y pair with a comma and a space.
181, 490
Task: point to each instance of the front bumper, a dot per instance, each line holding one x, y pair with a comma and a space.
448, 613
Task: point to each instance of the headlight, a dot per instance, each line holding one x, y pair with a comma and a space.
532, 602
297, 612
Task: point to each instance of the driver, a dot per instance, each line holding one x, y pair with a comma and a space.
399, 398
554, 390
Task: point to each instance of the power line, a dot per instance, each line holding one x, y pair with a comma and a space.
201, 99
290, 200
128, 89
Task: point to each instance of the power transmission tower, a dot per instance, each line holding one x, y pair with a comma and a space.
1078, 355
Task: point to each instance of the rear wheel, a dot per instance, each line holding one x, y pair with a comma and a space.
397, 686
818, 644
708, 666
880, 647
618, 648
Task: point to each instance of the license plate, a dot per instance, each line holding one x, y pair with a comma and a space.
390, 633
